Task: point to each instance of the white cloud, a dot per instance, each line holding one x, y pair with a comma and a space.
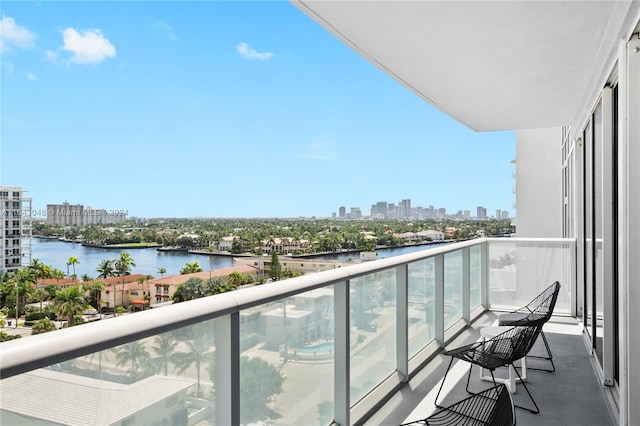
165, 28
320, 151
248, 53
14, 35
51, 55
88, 47
32, 77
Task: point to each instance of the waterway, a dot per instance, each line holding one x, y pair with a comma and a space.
56, 253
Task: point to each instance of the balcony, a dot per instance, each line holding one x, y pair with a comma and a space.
359, 345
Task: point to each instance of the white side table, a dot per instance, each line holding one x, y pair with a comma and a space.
491, 332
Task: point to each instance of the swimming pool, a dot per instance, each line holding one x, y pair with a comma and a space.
326, 347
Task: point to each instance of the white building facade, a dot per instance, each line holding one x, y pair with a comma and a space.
15, 228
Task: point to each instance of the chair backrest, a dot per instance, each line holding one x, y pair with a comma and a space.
545, 302
523, 340
513, 344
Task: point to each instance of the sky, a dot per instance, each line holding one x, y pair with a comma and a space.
222, 109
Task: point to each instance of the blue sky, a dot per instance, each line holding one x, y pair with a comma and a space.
222, 109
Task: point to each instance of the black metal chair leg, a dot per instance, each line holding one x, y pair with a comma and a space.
537, 410
469, 377
442, 384
549, 356
546, 344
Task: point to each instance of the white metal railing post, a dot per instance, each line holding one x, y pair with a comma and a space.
573, 274
341, 366
402, 321
227, 341
466, 285
484, 276
438, 303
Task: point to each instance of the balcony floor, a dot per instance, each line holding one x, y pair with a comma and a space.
571, 395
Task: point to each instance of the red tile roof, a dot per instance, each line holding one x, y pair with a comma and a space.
204, 275
58, 281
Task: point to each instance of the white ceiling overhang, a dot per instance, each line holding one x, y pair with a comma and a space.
492, 65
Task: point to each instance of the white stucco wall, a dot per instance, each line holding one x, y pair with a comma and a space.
539, 183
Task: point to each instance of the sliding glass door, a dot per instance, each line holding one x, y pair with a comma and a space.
599, 238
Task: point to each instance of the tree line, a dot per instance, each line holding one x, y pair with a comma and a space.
18, 289
250, 235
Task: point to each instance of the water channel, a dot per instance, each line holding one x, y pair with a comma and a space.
56, 254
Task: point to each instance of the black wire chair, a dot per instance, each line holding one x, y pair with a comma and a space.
490, 407
502, 350
539, 309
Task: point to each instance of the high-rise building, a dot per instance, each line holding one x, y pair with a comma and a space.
419, 212
482, 213
342, 212
15, 228
93, 216
430, 212
404, 209
382, 209
66, 214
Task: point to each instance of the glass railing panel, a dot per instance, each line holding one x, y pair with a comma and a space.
475, 279
162, 379
287, 360
373, 331
421, 292
452, 288
520, 270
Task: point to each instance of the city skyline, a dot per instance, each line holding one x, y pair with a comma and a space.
80, 214
222, 109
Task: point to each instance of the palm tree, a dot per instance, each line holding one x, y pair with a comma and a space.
85, 277
133, 352
38, 269
199, 341
73, 261
21, 290
190, 268
94, 288
236, 279
146, 294
188, 290
41, 294
68, 303
105, 269
165, 345
122, 266
162, 271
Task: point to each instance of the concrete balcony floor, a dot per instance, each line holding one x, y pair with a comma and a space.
569, 396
